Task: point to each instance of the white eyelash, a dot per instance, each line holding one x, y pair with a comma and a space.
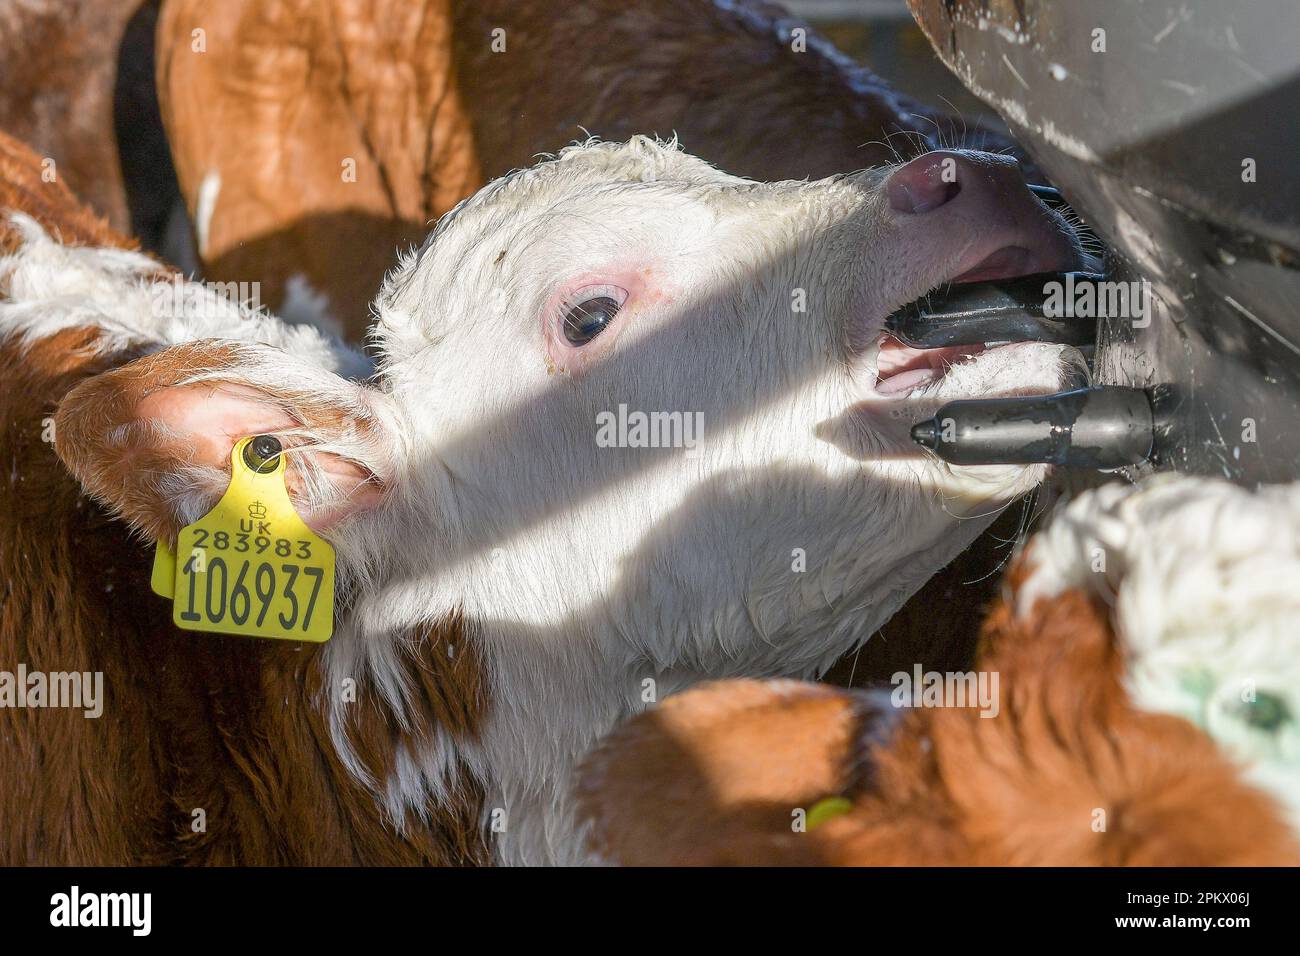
587, 292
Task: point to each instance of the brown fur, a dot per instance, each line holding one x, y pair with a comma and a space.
416, 96
946, 786
412, 91
285, 93
59, 62
233, 726
52, 204
690, 776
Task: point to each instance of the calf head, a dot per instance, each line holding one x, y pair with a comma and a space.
635, 417
1146, 647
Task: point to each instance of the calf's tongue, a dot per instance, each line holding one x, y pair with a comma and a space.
901, 367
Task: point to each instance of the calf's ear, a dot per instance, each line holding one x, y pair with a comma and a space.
152, 439
718, 775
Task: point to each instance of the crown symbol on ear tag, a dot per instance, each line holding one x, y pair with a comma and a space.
251, 566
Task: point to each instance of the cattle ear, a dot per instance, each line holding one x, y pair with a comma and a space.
720, 775
152, 439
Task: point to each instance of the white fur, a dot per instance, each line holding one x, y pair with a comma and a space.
138, 304
304, 304
598, 580
204, 207
1204, 578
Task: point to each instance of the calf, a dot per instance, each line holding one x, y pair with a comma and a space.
1146, 653
522, 563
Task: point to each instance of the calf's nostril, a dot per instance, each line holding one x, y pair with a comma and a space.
925, 183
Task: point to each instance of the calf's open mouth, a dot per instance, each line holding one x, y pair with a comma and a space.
1051, 414
997, 302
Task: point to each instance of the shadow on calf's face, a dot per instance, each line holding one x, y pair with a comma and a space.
624, 393
642, 394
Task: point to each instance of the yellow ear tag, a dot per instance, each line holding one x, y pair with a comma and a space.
251, 566
828, 808
163, 579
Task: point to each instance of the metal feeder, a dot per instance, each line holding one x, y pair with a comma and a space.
1171, 127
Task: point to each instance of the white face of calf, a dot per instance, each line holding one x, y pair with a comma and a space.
567, 319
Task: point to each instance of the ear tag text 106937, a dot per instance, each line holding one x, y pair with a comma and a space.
251, 566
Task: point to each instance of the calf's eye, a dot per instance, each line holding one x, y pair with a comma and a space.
588, 319
591, 313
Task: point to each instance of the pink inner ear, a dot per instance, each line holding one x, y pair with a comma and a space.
215, 417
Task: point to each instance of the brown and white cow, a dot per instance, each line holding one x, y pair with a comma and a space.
1145, 715
522, 563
